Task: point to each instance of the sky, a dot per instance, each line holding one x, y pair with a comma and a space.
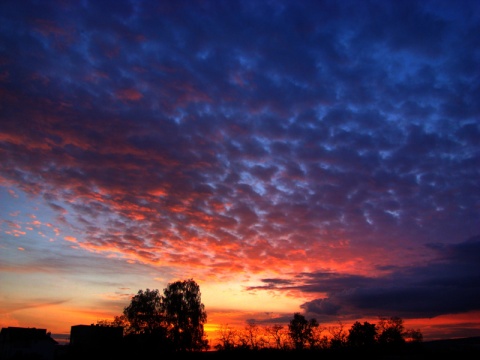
320, 157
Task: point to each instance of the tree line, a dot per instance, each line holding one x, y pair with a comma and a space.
174, 321
303, 334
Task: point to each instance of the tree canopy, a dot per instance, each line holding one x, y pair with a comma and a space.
362, 335
301, 331
185, 315
144, 314
391, 331
175, 318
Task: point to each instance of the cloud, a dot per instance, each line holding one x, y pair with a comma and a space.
9, 307
249, 137
70, 239
447, 285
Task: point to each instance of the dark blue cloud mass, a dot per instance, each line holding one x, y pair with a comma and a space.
344, 135
447, 285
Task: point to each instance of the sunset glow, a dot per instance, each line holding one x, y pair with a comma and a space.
320, 157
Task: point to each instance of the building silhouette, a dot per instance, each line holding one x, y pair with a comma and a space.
95, 336
19, 342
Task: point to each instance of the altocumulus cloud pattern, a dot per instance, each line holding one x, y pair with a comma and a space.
329, 148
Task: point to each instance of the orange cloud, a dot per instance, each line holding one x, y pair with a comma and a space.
71, 239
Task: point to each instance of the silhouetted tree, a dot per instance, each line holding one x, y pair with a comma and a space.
227, 338
185, 315
144, 314
362, 335
172, 321
338, 336
277, 333
391, 331
252, 336
121, 321
301, 331
413, 336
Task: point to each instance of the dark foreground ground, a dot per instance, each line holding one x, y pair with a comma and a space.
457, 349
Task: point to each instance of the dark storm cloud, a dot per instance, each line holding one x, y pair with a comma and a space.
447, 285
324, 129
